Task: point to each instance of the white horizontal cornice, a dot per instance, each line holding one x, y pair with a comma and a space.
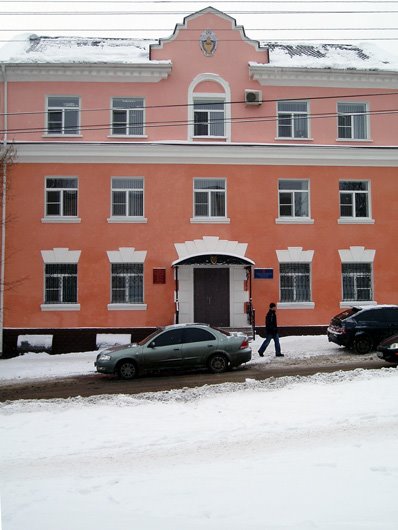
138, 73
320, 77
180, 153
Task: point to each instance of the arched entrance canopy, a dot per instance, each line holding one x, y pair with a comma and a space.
213, 259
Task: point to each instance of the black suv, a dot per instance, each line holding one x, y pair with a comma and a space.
363, 328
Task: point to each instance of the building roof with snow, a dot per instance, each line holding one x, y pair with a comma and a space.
34, 49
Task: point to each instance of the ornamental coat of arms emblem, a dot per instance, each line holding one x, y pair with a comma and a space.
208, 42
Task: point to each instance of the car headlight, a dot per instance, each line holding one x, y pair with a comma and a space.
393, 346
104, 357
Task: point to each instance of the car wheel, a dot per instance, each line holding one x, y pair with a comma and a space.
218, 363
363, 344
127, 370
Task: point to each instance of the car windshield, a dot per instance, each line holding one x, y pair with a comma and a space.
150, 337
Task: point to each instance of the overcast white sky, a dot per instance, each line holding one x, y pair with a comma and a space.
325, 21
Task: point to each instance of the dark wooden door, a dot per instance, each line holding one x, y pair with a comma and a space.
211, 296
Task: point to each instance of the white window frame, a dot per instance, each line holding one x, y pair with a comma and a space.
63, 109
128, 112
354, 219
355, 275
127, 255
353, 126
294, 116
290, 256
61, 217
357, 255
127, 276
220, 114
209, 218
224, 95
60, 256
293, 219
127, 218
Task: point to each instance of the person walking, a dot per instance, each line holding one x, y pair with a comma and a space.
271, 332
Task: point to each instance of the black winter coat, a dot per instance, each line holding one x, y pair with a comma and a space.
271, 326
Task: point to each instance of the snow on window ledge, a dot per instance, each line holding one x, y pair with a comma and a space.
206, 220
296, 305
356, 303
60, 307
125, 219
61, 219
294, 220
355, 221
127, 307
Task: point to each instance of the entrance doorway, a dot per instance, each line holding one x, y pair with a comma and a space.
211, 296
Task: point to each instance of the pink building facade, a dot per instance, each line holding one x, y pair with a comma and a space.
194, 179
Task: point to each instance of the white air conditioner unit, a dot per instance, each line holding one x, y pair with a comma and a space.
253, 97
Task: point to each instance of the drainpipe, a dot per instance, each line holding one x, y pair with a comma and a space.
3, 213
177, 302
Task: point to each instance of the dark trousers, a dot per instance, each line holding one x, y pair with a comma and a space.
268, 338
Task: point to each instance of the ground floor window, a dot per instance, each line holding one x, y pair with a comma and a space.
357, 281
60, 283
295, 282
127, 283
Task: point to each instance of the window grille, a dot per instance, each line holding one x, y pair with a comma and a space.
352, 121
210, 199
128, 116
61, 196
127, 283
60, 283
209, 118
127, 197
357, 282
292, 119
295, 282
63, 115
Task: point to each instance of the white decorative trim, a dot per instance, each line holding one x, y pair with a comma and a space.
213, 11
206, 153
61, 220
60, 255
126, 219
268, 75
151, 72
60, 307
296, 305
348, 303
127, 307
210, 245
355, 221
210, 220
357, 255
224, 96
294, 221
126, 255
295, 255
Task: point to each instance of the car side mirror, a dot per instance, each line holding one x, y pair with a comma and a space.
152, 345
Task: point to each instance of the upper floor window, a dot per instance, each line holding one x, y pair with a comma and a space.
128, 116
354, 199
60, 283
295, 282
63, 115
127, 197
61, 196
293, 198
357, 282
352, 121
127, 283
209, 198
209, 117
292, 119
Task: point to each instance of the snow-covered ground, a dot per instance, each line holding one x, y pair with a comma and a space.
292, 453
